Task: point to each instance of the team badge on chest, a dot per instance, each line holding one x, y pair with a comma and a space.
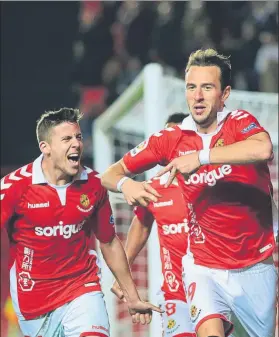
85, 203
84, 200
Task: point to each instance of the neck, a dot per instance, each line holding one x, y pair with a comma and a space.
207, 128
54, 175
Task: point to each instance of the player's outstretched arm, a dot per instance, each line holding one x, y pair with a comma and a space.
111, 177
116, 260
136, 239
257, 148
116, 179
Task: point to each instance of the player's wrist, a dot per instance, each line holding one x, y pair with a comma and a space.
204, 156
120, 183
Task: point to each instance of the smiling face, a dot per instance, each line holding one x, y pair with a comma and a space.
63, 148
205, 96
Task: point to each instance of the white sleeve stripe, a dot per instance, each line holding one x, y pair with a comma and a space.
5, 186
24, 173
12, 176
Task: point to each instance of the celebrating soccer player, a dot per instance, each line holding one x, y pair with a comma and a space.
171, 216
220, 160
50, 207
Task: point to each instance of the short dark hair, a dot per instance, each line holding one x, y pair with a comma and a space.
176, 118
52, 118
210, 57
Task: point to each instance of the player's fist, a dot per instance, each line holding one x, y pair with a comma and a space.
141, 311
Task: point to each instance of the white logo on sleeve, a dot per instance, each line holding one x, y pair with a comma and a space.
62, 230
210, 178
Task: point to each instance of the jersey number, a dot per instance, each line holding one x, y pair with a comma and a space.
191, 291
170, 308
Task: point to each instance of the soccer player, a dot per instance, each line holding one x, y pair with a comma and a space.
171, 217
220, 160
50, 207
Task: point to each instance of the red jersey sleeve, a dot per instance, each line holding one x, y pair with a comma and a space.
244, 125
144, 215
155, 150
103, 220
9, 198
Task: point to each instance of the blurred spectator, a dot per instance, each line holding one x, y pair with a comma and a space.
247, 49
94, 45
266, 63
167, 34
117, 38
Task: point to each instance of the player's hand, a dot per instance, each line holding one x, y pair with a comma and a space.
139, 193
117, 291
186, 165
141, 312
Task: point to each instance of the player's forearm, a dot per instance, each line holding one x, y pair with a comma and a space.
136, 239
117, 262
112, 175
243, 152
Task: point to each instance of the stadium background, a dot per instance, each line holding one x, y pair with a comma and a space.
85, 54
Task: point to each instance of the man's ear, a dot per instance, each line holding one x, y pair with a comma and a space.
44, 147
226, 93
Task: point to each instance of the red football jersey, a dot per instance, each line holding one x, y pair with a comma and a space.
170, 213
230, 212
49, 229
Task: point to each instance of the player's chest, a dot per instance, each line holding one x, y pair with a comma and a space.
49, 206
196, 143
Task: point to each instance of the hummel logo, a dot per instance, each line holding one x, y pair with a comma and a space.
42, 205
183, 153
163, 203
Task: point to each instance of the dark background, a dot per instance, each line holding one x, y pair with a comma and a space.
36, 57
85, 54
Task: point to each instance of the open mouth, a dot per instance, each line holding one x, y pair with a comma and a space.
73, 158
199, 109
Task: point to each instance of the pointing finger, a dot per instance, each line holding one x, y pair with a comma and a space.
171, 177
164, 170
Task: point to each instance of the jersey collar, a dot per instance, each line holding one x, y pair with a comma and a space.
189, 123
39, 178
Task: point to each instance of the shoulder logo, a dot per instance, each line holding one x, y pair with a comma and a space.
250, 127
136, 150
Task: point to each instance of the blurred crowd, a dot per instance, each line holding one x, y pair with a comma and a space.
117, 38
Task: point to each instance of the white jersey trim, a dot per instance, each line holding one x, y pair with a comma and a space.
39, 178
189, 123
14, 292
